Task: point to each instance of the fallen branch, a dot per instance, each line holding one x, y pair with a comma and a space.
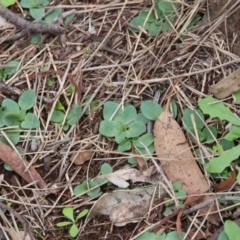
11, 17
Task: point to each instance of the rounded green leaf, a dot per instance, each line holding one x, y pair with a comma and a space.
27, 99
69, 19
57, 116
232, 230
11, 119
82, 214
135, 129
73, 230
30, 121
95, 191
189, 116
137, 22
145, 15
144, 140
177, 186
109, 109
140, 117
173, 108
37, 13
11, 67
106, 169
74, 114
181, 194
223, 236
10, 106
129, 114
210, 134
68, 213
107, 128
35, 38
7, 167
155, 28
7, 3
147, 236
52, 15
27, 3
43, 3
14, 135
120, 137
124, 146
79, 189
1, 117
174, 236
166, 7
143, 151
151, 110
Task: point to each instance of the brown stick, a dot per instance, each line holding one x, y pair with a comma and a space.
11, 17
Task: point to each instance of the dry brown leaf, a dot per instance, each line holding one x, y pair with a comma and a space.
121, 176
227, 86
121, 205
127, 211
177, 159
81, 157
9, 156
225, 185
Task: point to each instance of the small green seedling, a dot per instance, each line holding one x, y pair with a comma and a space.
160, 20
73, 116
68, 213
18, 115
128, 127
9, 69
93, 105
36, 7
92, 188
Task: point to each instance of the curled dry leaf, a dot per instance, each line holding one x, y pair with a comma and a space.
227, 86
178, 161
121, 176
20, 166
227, 184
113, 204
81, 157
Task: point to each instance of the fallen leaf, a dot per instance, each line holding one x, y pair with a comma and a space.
20, 166
116, 203
124, 212
121, 176
226, 184
227, 86
178, 161
81, 157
